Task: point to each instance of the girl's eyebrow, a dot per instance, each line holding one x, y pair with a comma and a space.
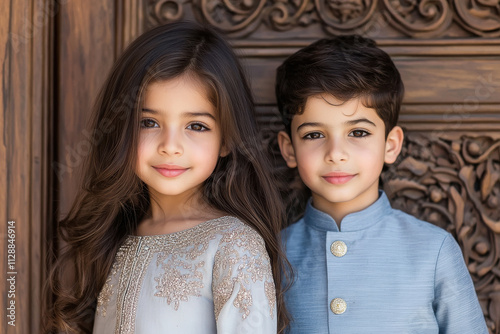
185, 114
198, 114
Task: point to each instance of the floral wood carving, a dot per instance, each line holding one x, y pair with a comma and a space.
163, 11
340, 16
285, 15
481, 17
415, 18
231, 15
454, 183
424, 18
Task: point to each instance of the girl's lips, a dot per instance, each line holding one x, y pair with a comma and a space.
170, 170
338, 178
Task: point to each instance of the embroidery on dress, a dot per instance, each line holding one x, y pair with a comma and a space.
104, 297
270, 290
241, 260
182, 277
243, 301
107, 290
177, 286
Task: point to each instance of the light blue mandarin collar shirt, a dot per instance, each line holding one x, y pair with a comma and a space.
384, 272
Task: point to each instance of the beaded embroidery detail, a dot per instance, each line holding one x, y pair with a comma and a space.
241, 258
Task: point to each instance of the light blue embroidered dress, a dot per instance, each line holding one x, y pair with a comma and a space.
213, 278
384, 272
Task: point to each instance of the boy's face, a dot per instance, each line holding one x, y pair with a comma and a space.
339, 150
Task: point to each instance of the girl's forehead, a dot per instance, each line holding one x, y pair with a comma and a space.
188, 80
184, 92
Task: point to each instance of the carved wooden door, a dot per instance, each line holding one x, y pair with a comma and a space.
448, 52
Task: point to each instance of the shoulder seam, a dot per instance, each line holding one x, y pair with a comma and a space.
448, 235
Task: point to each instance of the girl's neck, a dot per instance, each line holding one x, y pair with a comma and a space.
176, 213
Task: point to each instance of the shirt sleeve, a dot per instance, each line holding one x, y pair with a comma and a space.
456, 305
243, 287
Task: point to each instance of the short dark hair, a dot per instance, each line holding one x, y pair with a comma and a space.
346, 67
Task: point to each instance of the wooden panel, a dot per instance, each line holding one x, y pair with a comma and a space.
24, 160
451, 110
86, 52
469, 81
305, 19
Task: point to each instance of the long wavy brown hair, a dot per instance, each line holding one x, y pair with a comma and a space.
113, 200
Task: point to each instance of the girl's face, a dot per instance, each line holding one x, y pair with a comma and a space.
180, 138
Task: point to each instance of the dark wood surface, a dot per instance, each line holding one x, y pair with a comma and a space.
56, 55
25, 154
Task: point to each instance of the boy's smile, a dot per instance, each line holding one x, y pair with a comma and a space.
338, 177
339, 150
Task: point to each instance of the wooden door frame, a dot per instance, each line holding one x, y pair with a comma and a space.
33, 75
25, 156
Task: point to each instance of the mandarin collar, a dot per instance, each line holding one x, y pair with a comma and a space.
355, 221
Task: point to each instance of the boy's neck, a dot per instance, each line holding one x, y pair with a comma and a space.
339, 210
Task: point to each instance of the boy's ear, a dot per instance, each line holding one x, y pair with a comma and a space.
393, 144
286, 148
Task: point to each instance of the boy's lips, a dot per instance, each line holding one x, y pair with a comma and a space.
338, 177
170, 170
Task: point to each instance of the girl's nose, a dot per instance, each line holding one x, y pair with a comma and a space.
170, 143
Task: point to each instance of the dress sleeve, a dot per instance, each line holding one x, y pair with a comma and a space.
243, 287
455, 303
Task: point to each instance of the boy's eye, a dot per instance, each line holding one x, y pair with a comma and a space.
359, 133
197, 127
149, 123
313, 135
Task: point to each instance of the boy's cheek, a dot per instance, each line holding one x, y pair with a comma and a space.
306, 170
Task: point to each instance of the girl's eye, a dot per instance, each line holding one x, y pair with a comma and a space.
313, 135
149, 123
197, 127
359, 133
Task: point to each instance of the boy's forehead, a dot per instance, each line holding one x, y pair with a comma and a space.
326, 108
331, 103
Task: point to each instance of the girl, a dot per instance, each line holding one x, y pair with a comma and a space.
176, 228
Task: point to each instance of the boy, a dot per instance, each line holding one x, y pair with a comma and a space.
360, 266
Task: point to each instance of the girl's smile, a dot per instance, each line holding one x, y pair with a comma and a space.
170, 170
179, 133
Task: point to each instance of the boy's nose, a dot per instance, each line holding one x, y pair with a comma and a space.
336, 152
170, 143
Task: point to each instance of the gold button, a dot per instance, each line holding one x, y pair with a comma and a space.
338, 306
338, 248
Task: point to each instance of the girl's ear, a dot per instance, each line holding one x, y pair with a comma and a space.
287, 150
393, 144
224, 151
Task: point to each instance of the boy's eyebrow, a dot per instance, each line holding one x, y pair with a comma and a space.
185, 114
350, 123
309, 124
360, 120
